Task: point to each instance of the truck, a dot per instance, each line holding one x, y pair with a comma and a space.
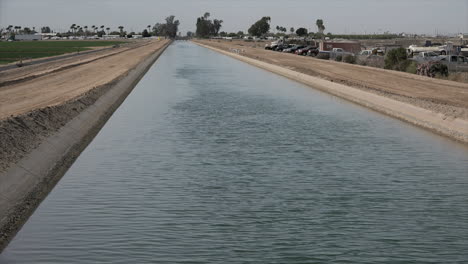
370, 52
454, 63
426, 56
335, 52
442, 50
273, 45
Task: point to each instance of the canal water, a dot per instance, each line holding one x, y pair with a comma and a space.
210, 160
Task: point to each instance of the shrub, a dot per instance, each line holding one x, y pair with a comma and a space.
323, 56
432, 69
412, 68
350, 59
339, 58
440, 69
397, 60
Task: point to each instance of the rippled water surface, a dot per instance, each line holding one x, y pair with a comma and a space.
210, 160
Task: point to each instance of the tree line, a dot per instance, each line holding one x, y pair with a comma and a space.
205, 27
169, 28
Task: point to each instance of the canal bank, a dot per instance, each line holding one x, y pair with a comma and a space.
60, 133
443, 122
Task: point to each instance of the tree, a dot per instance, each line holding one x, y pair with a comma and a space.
207, 27
121, 31
216, 26
190, 34
145, 34
261, 27
291, 30
301, 32
45, 29
168, 29
101, 33
172, 26
72, 28
320, 26
159, 29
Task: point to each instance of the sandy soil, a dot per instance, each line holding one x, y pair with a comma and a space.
57, 82
45, 97
61, 62
441, 96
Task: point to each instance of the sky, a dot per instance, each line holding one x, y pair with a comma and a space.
340, 16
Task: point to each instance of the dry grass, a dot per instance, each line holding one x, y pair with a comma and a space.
457, 77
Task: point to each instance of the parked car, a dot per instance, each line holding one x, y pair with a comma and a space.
371, 52
313, 52
293, 48
282, 47
305, 50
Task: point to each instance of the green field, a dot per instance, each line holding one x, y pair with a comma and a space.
15, 51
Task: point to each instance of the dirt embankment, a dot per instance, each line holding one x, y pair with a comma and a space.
61, 62
438, 105
43, 98
441, 96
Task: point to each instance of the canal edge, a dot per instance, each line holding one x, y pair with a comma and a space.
453, 128
28, 182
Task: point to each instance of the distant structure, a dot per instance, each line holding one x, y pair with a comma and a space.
28, 37
349, 46
111, 36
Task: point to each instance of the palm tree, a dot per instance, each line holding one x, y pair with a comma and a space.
102, 27
121, 30
94, 28
320, 26
86, 30
149, 28
108, 30
73, 27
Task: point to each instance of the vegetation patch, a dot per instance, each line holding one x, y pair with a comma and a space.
397, 60
15, 51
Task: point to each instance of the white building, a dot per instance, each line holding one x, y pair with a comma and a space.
28, 37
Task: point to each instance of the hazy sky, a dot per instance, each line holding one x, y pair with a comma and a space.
340, 16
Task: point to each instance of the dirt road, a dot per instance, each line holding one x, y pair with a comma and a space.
54, 83
441, 96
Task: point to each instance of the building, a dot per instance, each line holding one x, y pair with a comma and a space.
111, 36
28, 37
349, 46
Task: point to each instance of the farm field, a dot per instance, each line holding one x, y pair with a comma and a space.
15, 51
